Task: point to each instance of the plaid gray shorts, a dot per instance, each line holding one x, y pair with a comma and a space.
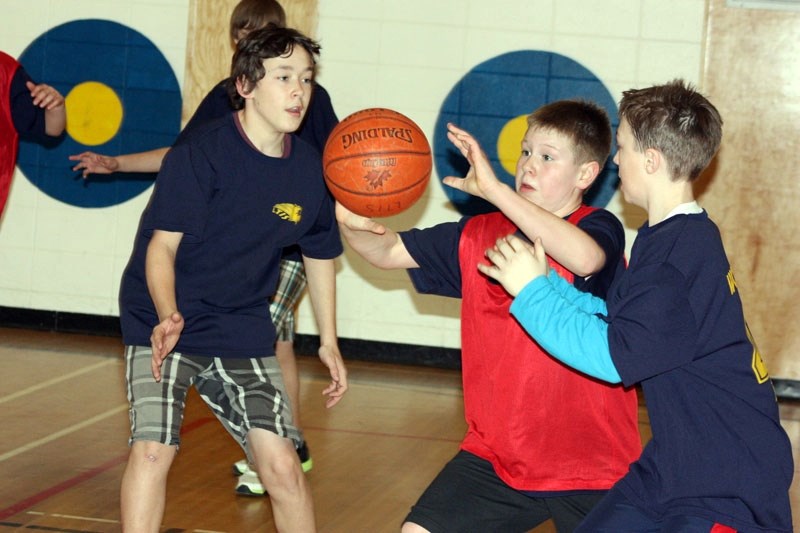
290, 287
242, 393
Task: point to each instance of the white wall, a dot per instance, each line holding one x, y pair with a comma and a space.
404, 55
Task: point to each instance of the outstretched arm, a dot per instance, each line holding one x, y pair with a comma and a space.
93, 163
321, 277
564, 323
566, 243
160, 274
49, 99
379, 245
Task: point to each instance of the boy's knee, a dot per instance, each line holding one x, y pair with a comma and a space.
152, 453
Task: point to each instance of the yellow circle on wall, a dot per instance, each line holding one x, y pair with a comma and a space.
508, 142
94, 113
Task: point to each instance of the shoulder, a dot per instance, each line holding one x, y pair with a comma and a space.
208, 132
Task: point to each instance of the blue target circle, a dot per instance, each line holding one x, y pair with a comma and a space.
497, 91
139, 75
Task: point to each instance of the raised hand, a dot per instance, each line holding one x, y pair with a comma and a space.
481, 180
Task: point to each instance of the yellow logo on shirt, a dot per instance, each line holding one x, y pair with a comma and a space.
731, 281
290, 212
758, 365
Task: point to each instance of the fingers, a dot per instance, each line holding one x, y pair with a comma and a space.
45, 96
335, 392
352, 221
454, 182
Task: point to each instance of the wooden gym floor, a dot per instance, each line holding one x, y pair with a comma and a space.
63, 443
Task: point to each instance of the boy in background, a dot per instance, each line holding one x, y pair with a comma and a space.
718, 459
194, 297
29, 110
542, 441
320, 119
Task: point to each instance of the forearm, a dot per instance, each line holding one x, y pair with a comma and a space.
565, 243
55, 120
160, 275
567, 332
321, 278
142, 161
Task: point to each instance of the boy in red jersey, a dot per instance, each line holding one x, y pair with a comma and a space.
543, 441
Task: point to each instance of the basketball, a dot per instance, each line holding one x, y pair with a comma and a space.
377, 162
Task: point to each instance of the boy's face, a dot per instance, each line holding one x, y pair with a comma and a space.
631, 165
280, 99
547, 174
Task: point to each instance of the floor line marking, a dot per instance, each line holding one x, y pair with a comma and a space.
66, 431
51, 382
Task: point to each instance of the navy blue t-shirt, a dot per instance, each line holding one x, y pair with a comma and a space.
317, 125
28, 119
238, 209
676, 326
435, 250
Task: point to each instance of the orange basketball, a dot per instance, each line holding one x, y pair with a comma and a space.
377, 162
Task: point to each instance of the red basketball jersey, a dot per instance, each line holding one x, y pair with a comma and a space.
8, 134
543, 426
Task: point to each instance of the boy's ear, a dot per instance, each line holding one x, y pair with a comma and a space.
653, 160
242, 89
588, 173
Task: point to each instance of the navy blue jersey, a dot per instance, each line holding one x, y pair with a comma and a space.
676, 326
436, 249
238, 209
317, 125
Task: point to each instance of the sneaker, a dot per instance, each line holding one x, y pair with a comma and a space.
248, 484
305, 457
240, 467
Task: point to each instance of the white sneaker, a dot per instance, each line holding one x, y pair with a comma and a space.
248, 484
240, 467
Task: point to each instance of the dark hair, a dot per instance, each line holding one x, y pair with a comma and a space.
247, 66
676, 120
249, 15
585, 123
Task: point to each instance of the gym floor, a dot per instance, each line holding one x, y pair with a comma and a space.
63, 446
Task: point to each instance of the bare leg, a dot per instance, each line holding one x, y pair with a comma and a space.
279, 468
144, 486
284, 351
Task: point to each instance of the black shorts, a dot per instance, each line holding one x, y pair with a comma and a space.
468, 496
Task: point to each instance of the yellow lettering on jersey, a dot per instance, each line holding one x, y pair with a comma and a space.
731, 281
759, 367
290, 212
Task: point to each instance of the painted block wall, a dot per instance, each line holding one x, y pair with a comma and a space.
402, 55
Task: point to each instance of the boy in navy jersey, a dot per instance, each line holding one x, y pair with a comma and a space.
719, 459
194, 298
543, 442
29, 110
320, 119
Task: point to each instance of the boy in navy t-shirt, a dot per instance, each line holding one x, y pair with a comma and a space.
194, 298
29, 110
719, 459
319, 121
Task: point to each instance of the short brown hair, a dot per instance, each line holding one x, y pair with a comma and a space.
247, 66
249, 15
676, 120
585, 123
